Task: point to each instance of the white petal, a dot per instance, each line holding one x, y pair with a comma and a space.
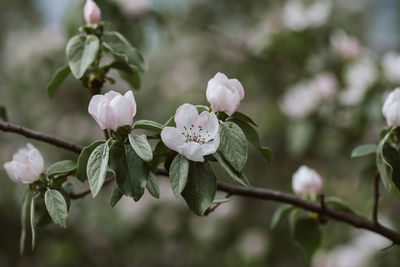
36, 162
235, 83
106, 118
123, 110
185, 116
173, 139
209, 124
131, 98
11, 170
95, 111
192, 151
25, 173
210, 147
224, 99
111, 94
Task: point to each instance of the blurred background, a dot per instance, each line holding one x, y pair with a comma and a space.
315, 75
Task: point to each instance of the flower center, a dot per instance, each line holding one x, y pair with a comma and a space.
195, 134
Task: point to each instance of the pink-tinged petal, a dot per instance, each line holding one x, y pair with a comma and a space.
185, 116
131, 98
11, 170
123, 110
235, 83
91, 12
220, 77
36, 161
223, 99
208, 122
96, 109
173, 138
25, 173
211, 146
111, 94
192, 151
217, 80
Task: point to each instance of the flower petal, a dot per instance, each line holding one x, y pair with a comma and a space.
131, 98
95, 111
173, 139
208, 122
235, 83
111, 94
123, 110
185, 116
210, 147
192, 151
11, 170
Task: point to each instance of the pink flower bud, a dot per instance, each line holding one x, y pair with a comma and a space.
91, 12
113, 110
26, 166
306, 181
224, 94
391, 108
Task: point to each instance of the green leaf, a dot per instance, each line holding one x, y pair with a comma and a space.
152, 185
83, 160
3, 113
279, 214
201, 186
64, 167
81, 52
307, 237
116, 196
132, 78
201, 108
148, 125
122, 50
244, 118
233, 145
221, 200
131, 172
384, 167
235, 175
33, 221
178, 173
97, 167
364, 150
254, 139
59, 76
339, 204
25, 218
141, 146
56, 206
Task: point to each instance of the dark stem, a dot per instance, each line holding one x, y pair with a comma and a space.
376, 199
211, 209
252, 192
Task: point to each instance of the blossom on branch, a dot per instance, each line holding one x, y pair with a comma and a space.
391, 108
91, 12
306, 181
195, 135
224, 94
113, 110
26, 166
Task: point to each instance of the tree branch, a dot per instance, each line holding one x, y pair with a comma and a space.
252, 192
13, 128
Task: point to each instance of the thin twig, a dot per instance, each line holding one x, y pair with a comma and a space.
252, 192
376, 198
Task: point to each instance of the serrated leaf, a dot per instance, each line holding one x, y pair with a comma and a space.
58, 78
252, 136
3, 113
56, 206
61, 168
364, 150
116, 196
307, 237
235, 175
279, 214
201, 186
233, 145
131, 172
178, 173
152, 185
148, 125
83, 160
81, 52
97, 167
141, 146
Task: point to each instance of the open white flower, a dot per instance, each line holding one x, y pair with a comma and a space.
346, 46
113, 110
224, 94
26, 165
306, 181
391, 108
196, 135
